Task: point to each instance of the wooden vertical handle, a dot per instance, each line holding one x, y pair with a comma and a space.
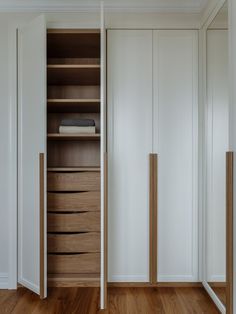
41, 227
229, 231
153, 164
105, 227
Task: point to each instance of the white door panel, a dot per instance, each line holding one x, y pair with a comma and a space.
31, 142
129, 144
175, 140
217, 145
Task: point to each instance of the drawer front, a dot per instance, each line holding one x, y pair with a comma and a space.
87, 263
82, 201
79, 222
73, 181
76, 243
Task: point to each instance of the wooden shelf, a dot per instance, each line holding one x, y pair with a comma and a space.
73, 66
83, 101
73, 159
75, 61
85, 137
72, 31
73, 169
73, 74
74, 105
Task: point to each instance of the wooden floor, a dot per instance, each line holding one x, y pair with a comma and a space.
121, 301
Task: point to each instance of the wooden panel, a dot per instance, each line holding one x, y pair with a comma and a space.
153, 219
80, 222
73, 92
74, 154
54, 120
64, 66
83, 201
72, 31
150, 217
105, 228
84, 263
73, 75
73, 280
76, 243
73, 136
73, 169
73, 181
229, 231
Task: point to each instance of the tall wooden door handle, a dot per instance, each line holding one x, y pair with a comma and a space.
229, 231
41, 227
153, 184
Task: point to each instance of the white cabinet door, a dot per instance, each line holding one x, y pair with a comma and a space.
32, 142
217, 145
175, 90
129, 144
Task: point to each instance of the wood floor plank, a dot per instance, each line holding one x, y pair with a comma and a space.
205, 303
120, 301
171, 302
26, 304
154, 299
117, 300
9, 299
137, 301
194, 301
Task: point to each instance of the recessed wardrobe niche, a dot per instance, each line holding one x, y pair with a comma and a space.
73, 157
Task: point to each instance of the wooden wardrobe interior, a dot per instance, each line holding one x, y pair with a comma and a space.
73, 160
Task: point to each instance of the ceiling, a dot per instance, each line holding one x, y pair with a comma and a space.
146, 5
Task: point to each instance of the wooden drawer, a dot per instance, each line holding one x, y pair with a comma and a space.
82, 242
73, 181
79, 222
89, 201
86, 263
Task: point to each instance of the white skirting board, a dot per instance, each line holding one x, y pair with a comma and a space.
3, 280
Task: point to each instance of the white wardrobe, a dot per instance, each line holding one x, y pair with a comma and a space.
152, 86
152, 108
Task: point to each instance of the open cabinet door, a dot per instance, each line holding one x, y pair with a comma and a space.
103, 288
31, 156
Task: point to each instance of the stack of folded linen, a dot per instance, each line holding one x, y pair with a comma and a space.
77, 126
